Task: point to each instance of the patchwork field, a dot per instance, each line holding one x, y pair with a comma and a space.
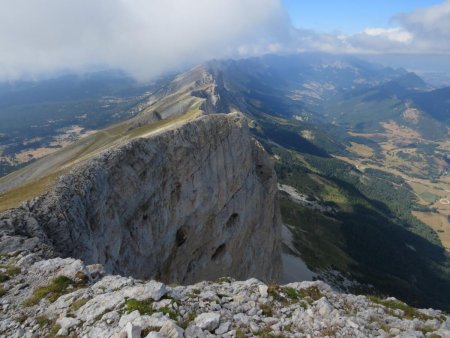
439, 222
361, 150
420, 163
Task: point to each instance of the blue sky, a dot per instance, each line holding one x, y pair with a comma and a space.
349, 16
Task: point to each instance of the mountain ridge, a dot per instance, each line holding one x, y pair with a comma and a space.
334, 166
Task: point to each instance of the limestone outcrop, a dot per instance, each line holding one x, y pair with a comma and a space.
193, 202
65, 298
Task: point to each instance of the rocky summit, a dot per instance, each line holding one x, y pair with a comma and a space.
65, 298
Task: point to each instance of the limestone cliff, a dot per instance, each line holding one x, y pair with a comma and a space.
189, 203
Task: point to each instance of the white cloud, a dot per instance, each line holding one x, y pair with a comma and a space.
430, 27
433, 20
144, 37
397, 34
148, 37
424, 31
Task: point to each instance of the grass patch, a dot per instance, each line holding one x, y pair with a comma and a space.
385, 327
59, 286
43, 321
287, 327
224, 280
147, 129
11, 271
267, 310
194, 293
312, 292
290, 295
170, 312
185, 323
143, 306
54, 331
21, 318
329, 332
3, 277
425, 329
275, 291
78, 304
13, 198
293, 294
267, 333
240, 333
2, 291
348, 308
409, 311
270, 335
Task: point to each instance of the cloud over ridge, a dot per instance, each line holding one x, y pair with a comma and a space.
144, 37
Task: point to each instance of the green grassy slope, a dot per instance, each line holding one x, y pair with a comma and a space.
372, 236
38, 177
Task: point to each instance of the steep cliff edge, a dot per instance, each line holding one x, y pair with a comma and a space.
190, 203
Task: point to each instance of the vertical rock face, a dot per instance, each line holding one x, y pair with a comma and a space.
191, 203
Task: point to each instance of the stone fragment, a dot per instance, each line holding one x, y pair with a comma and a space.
128, 318
99, 305
151, 290
255, 328
154, 335
95, 271
208, 321
194, 331
156, 320
171, 330
133, 331
263, 290
324, 307
223, 328
66, 323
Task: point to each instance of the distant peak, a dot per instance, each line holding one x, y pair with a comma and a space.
410, 81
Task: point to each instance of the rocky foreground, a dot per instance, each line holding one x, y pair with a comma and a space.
64, 298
